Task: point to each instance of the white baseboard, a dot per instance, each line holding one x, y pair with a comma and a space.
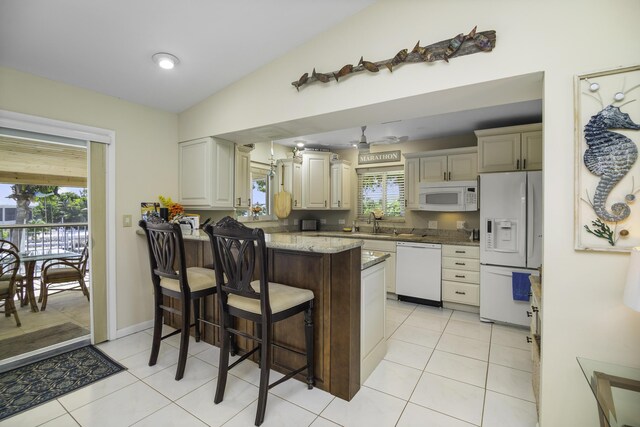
134, 328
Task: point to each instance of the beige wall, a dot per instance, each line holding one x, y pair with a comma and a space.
583, 311
146, 153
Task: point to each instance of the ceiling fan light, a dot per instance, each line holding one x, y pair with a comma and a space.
165, 60
299, 144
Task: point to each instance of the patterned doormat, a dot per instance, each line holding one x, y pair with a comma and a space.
31, 385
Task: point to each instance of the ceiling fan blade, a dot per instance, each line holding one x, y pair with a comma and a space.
390, 140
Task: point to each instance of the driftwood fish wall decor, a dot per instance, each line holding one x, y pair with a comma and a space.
460, 45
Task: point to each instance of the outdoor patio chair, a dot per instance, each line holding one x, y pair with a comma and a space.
9, 265
20, 281
59, 275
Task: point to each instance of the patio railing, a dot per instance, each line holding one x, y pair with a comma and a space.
46, 238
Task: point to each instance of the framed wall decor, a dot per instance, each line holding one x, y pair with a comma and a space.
607, 164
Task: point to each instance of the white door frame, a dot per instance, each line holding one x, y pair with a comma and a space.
26, 122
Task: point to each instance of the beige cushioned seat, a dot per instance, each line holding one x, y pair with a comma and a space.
199, 278
64, 274
281, 297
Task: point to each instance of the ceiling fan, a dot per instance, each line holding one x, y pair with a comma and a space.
364, 144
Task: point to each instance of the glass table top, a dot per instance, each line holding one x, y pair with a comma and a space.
616, 389
33, 256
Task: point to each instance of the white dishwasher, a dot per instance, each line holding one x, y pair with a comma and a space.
418, 272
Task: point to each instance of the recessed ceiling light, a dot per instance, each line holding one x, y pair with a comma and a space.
165, 60
300, 144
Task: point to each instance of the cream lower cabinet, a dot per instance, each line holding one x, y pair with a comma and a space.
340, 185
373, 343
206, 173
290, 180
388, 247
461, 274
512, 148
315, 180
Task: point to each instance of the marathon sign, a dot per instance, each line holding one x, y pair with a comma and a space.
381, 157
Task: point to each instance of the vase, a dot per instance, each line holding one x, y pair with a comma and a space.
164, 214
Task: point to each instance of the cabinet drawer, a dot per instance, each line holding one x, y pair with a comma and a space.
461, 263
380, 245
461, 293
461, 251
461, 276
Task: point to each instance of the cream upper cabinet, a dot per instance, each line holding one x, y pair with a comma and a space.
411, 178
290, 174
452, 167
340, 184
315, 180
510, 149
206, 173
462, 167
242, 198
433, 168
531, 150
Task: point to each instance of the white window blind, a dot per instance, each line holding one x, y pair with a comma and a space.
381, 188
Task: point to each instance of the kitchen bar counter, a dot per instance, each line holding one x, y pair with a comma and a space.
328, 266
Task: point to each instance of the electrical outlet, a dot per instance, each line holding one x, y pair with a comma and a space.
295, 222
460, 225
341, 221
323, 221
285, 222
126, 220
433, 225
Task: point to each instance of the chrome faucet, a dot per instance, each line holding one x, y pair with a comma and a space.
376, 226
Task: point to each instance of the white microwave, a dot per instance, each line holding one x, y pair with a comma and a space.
448, 196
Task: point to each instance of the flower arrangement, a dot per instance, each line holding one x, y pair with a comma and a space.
176, 210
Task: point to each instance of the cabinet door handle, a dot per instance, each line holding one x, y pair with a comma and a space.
325, 203
405, 203
529, 339
529, 314
338, 203
460, 276
524, 164
239, 201
449, 176
535, 309
444, 177
249, 202
460, 263
461, 293
518, 164
461, 252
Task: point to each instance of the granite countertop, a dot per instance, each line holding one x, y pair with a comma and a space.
291, 241
371, 258
445, 240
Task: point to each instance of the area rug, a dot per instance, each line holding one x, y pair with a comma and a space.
31, 385
41, 338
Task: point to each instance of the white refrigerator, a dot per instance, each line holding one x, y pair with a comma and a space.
510, 241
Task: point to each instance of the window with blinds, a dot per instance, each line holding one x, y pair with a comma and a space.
381, 188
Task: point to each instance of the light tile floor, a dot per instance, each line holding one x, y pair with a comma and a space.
443, 368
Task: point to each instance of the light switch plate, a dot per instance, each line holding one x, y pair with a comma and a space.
126, 220
295, 222
285, 222
323, 221
460, 225
433, 225
341, 221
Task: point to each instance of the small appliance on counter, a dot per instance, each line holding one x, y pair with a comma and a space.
309, 225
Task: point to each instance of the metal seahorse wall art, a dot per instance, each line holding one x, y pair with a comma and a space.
610, 155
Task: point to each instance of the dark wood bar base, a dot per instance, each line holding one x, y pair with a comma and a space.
334, 279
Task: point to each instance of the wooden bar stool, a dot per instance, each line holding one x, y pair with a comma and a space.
234, 248
172, 278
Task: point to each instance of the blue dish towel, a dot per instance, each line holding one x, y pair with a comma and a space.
520, 286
